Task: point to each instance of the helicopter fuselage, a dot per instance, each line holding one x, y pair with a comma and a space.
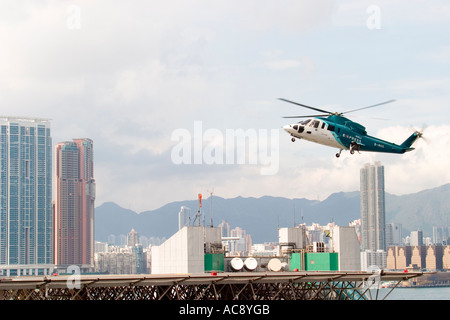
339, 132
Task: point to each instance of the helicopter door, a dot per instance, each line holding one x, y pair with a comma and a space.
313, 124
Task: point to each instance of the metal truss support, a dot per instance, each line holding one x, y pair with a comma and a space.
265, 286
213, 291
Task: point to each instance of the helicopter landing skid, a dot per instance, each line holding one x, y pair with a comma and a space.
354, 147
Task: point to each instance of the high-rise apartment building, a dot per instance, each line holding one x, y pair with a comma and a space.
441, 235
132, 238
26, 219
74, 204
416, 238
393, 234
372, 207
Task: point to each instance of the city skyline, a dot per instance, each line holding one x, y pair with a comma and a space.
41, 226
161, 67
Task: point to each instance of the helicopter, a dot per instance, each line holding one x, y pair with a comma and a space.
334, 130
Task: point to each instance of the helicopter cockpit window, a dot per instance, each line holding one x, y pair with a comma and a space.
295, 127
305, 122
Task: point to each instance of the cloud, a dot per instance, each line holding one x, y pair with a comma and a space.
423, 168
275, 62
306, 170
426, 166
128, 76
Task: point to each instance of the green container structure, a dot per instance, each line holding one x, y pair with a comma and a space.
321, 261
214, 262
296, 261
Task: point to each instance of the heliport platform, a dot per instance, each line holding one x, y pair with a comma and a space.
301, 285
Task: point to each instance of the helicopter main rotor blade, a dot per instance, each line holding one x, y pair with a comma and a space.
375, 105
302, 105
310, 116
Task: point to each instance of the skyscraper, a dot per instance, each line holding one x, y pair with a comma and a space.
26, 234
372, 207
393, 234
416, 238
132, 238
74, 204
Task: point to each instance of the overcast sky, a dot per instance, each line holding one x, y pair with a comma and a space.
147, 80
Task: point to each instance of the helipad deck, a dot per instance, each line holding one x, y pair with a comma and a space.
223, 286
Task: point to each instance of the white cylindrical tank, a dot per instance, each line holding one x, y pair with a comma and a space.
274, 265
236, 264
250, 264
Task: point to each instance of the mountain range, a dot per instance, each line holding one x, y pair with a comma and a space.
261, 217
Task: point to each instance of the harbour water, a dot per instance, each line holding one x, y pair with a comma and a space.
433, 293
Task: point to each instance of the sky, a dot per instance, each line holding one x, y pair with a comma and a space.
168, 89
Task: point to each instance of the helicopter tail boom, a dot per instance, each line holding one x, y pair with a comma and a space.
411, 139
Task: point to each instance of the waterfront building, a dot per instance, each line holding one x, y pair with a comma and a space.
26, 211
446, 258
74, 204
418, 257
433, 260
391, 262
373, 260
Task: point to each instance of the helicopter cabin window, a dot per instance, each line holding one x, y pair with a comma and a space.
331, 128
315, 123
323, 125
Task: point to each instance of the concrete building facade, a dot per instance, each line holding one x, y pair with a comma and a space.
184, 252
346, 244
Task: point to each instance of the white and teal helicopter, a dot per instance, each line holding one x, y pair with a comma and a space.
334, 130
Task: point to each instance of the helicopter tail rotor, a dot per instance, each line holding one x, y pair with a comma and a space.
417, 134
420, 133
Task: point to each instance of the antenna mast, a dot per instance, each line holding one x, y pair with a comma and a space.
210, 212
198, 215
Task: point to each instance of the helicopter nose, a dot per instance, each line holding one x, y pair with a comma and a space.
287, 127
